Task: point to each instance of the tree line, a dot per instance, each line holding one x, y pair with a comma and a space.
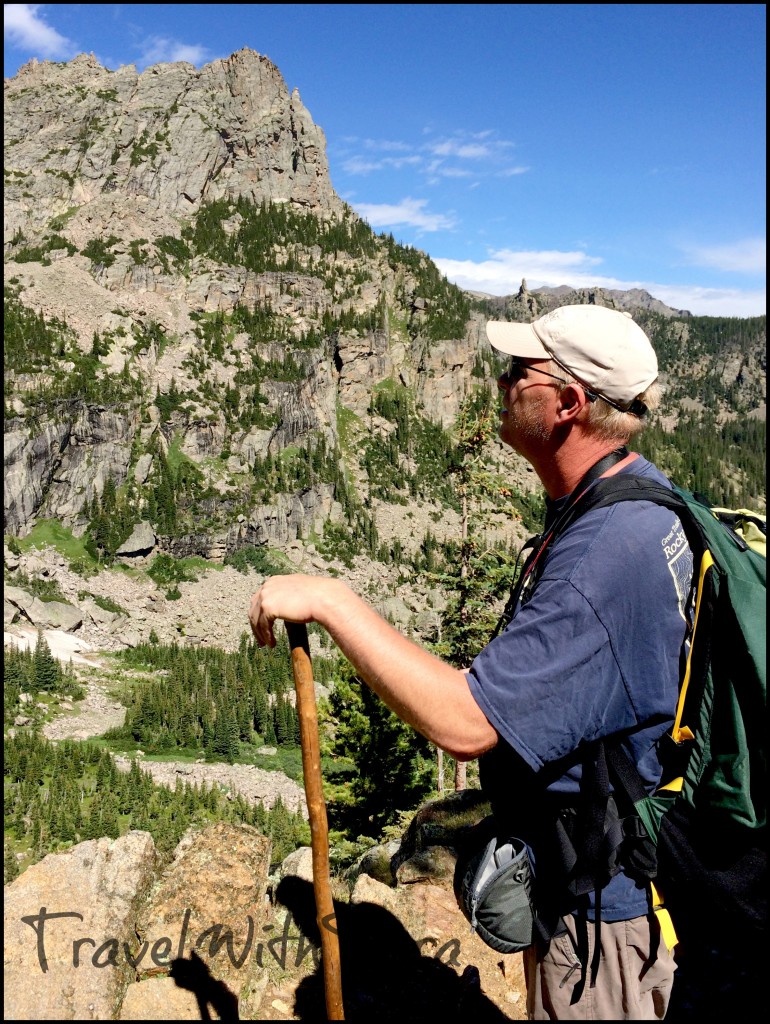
57, 794
725, 462
34, 671
211, 700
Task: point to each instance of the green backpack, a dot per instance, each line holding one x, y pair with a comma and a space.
702, 847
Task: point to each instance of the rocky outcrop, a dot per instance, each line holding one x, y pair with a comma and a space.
445, 372
105, 170
526, 305
308, 406
438, 834
168, 139
140, 544
53, 468
68, 920
30, 459
213, 897
288, 517
209, 933
43, 614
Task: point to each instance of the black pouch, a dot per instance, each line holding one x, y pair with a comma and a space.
494, 890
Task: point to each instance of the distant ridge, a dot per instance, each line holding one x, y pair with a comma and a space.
545, 299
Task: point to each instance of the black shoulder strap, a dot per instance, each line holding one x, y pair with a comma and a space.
627, 487
536, 545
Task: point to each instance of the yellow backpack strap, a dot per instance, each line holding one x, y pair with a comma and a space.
681, 732
666, 925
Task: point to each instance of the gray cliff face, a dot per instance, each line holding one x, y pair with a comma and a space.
53, 469
132, 221
104, 169
29, 461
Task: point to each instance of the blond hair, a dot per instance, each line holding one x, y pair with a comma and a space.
605, 420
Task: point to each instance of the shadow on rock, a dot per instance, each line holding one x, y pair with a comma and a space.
195, 976
386, 976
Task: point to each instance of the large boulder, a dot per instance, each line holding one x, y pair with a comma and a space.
67, 919
204, 919
140, 544
45, 614
437, 834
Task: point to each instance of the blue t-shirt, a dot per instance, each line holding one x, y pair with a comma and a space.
593, 652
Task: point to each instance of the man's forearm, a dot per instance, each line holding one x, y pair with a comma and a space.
421, 689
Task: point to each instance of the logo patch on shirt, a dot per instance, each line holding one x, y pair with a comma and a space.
679, 561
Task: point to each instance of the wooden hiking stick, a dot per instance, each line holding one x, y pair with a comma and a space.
319, 832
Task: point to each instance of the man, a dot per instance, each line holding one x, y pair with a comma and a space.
592, 649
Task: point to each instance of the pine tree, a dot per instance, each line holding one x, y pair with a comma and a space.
92, 828
270, 737
281, 729
480, 574
65, 823
225, 742
261, 712
46, 668
10, 864
393, 771
259, 816
279, 824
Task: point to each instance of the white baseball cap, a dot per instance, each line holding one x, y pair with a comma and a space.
602, 348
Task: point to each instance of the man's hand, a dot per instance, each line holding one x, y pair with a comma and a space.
294, 598
431, 696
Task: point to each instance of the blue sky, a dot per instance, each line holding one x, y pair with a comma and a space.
610, 145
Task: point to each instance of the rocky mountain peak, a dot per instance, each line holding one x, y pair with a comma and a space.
108, 149
146, 211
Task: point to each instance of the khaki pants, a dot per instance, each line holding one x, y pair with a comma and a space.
624, 989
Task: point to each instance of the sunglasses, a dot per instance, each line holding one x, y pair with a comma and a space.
518, 370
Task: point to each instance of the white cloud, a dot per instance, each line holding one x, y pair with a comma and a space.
358, 165
26, 29
712, 301
459, 146
450, 172
502, 273
505, 269
510, 171
465, 151
410, 212
361, 165
159, 50
747, 256
441, 158
387, 144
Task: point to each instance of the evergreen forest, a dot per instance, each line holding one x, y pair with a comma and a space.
200, 704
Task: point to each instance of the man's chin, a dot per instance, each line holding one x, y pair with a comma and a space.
503, 435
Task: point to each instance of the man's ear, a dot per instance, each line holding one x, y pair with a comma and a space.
572, 401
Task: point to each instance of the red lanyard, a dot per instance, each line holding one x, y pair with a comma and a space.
610, 471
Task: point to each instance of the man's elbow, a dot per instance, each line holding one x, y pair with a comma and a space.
468, 733
470, 746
